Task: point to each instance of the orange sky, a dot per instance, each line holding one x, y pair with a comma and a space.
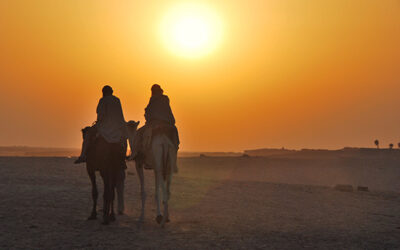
314, 74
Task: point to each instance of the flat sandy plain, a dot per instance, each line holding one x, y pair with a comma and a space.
217, 203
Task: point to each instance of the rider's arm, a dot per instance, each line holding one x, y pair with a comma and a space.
101, 111
147, 111
170, 115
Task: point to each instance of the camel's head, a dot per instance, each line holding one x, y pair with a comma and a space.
132, 127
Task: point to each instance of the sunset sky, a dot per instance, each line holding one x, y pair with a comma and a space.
239, 74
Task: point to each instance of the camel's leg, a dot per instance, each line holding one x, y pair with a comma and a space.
157, 160
169, 180
139, 170
170, 160
120, 181
165, 202
106, 200
166, 183
112, 194
112, 214
158, 180
92, 176
120, 186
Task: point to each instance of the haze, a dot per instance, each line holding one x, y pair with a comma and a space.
315, 74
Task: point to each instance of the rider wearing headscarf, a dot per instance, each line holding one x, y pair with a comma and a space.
158, 112
111, 123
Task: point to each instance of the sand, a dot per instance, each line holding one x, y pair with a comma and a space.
217, 203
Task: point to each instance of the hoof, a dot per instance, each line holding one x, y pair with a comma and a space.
112, 217
106, 220
163, 222
92, 217
159, 218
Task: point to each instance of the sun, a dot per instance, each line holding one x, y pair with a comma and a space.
191, 30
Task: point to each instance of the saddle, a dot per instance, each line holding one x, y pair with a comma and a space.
142, 149
170, 131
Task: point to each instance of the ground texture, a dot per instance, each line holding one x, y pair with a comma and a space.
217, 203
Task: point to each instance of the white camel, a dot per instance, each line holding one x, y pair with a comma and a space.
164, 156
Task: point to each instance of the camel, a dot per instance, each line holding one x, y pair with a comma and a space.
164, 156
111, 179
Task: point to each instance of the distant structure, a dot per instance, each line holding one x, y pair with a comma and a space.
377, 144
391, 145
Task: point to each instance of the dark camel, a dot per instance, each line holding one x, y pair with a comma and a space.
95, 161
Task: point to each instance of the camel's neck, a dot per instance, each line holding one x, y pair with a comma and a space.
131, 139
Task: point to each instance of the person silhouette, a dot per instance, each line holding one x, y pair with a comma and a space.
158, 113
109, 133
159, 119
110, 122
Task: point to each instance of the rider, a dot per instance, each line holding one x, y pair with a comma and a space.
112, 130
158, 113
110, 138
110, 124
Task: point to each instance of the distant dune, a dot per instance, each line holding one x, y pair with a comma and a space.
324, 153
209, 154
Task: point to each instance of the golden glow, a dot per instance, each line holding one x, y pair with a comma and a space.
191, 30
239, 74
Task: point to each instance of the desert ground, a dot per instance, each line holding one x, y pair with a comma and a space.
216, 203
